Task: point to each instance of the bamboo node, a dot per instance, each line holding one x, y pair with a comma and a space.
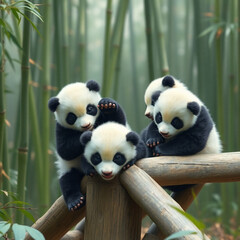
23, 150
34, 84
25, 67
49, 88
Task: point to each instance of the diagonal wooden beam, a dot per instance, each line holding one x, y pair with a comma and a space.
157, 203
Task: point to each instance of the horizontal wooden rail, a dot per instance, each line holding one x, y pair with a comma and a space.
204, 168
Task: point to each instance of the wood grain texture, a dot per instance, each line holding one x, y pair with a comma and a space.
172, 170
110, 212
57, 220
156, 203
184, 199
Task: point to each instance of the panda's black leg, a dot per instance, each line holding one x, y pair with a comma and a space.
70, 184
128, 165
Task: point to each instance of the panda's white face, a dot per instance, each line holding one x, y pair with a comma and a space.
78, 107
171, 113
157, 85
108, 150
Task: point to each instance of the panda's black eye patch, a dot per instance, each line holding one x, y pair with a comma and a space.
158, 118
96, 158
119, 159
71, 118
91, 109
177, 123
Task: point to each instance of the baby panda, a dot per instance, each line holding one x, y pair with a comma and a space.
78, 107
160, 84
182, 126
109, 148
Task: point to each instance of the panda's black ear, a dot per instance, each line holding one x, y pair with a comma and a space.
168, 81
85, 137
93, 86
53, 103
193, 107
155, 97
133, 138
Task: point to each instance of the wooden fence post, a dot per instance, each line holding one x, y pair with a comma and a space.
110, 212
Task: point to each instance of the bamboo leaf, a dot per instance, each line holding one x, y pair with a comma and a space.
4, 227
27, 214
180, 234
19, 231
34, 233
197, 223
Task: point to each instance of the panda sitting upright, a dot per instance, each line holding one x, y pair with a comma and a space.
182, 126
109, 148
78, 108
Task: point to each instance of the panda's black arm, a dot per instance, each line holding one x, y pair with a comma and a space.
68, 143
110, 113
87, 168
141, 150
190, 141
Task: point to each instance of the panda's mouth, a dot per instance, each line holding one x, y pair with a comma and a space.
107, 175
87, 127
165, 135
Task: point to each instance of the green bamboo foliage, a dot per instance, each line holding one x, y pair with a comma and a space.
23, 145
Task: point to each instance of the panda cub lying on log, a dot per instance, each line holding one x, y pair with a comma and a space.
182, 126
78, 108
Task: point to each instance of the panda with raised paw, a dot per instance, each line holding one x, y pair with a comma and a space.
182, 126
160, 84
110, 148
78, 107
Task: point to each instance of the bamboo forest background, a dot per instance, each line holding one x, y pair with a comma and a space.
123, 45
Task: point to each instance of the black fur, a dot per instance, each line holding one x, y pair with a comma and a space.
53, 104
188, 142
86, 137
71, 189
93, 86
193, 107
155, 97
168, 81
132, 137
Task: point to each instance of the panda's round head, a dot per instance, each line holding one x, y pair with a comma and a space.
160, 84
109, 147
175, 110
75, 106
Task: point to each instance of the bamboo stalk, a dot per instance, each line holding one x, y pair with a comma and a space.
161, 48
45, 83
2, 92
23, 145
148, 26
83, 40
115, 45
107, 36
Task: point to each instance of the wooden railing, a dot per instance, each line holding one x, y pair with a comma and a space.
114, 210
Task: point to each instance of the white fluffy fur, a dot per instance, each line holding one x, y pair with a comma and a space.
173, 103
107, 140
74, 98
156, 85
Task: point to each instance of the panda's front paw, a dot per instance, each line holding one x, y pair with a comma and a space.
156, 151
128, 165
76, 201
152, 142
107, 105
